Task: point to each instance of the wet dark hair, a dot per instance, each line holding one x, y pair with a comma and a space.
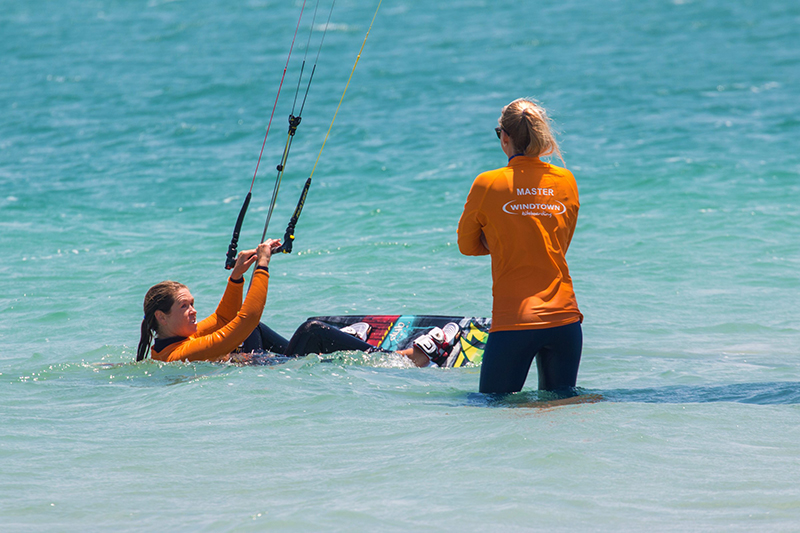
160, 297
528, 127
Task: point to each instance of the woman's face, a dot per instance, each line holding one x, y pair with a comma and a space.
181, 320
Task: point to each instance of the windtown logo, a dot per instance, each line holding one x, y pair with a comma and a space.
530, 207
517, 207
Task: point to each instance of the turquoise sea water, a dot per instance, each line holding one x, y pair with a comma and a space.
129, 132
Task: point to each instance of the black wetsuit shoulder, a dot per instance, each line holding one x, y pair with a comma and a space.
160, 344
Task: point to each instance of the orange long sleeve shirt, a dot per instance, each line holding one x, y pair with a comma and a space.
527, 212
223, 332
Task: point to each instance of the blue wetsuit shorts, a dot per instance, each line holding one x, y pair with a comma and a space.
509, 354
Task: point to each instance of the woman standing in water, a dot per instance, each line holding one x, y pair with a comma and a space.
524, 216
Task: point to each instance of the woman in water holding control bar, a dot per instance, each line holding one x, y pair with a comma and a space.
234, 333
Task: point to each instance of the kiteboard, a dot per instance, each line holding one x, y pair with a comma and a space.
397, 332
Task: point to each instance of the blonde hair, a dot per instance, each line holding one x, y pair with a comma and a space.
160, 297
528, 127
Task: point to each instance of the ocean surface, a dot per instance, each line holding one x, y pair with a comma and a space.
129, 135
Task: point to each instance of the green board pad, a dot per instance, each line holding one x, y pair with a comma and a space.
397, 332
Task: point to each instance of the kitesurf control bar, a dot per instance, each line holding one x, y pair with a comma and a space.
294, 121
288, 237
230, 260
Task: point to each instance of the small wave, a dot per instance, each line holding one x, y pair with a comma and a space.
147, 374
764, 393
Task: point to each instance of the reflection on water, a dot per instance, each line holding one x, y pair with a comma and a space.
765, 393
535, 398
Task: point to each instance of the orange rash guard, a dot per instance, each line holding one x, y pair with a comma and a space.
223, 332
527, 211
